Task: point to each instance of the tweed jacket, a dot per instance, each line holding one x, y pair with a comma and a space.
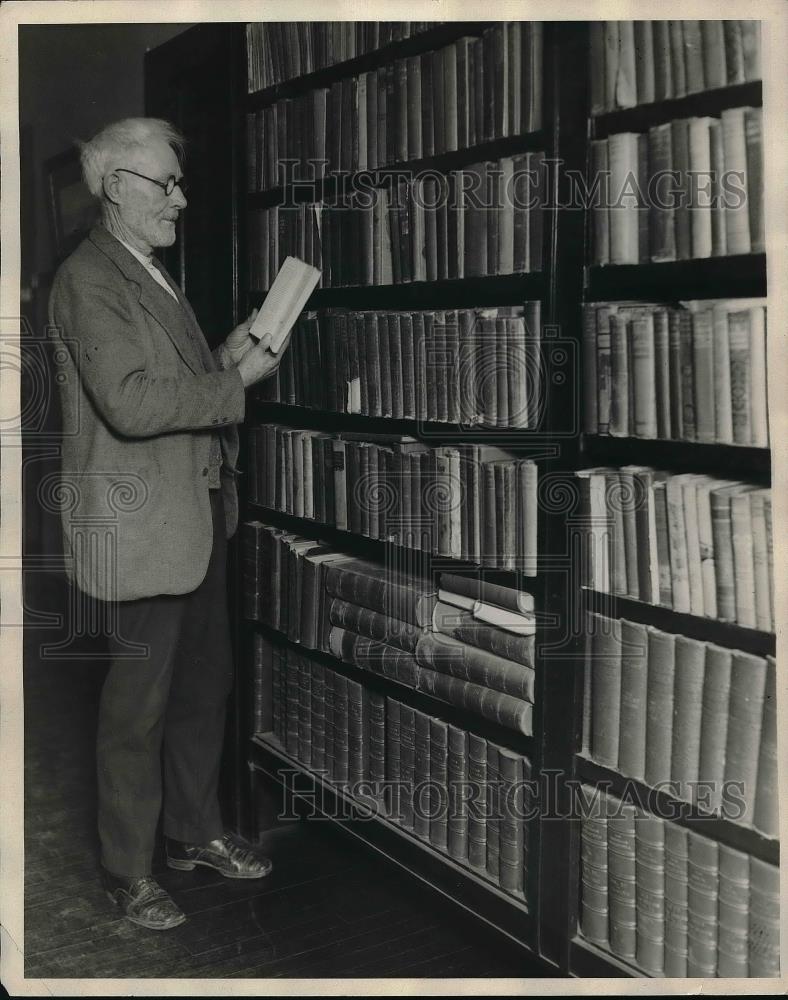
141, 395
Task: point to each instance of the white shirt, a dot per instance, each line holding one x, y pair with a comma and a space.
151, 268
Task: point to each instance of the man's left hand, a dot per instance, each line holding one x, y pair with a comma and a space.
240, 340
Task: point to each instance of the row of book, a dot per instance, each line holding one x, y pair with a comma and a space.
673, 901
467, 797
474, 502
470, 366
694, 373
638, 62
686, 189
472, 653
694, 543
683, 714
482, 220
281, 50
473, 90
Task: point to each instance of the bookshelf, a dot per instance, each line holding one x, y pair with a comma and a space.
547, 924
737, 276
542, 933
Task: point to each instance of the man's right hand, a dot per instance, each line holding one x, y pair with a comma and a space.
258, 362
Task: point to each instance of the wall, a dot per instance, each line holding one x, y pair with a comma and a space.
72, 80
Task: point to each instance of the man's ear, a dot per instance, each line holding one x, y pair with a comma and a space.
111, 184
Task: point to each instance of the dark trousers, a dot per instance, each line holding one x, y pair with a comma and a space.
174, 699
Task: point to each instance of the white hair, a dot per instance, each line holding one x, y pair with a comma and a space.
112, 142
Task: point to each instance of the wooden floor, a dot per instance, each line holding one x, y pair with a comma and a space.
328, 909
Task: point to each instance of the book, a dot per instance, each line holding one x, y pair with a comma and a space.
503, 709
765, 816
622, 879
650, 892
747, 695
595, 905
660, 704
676, 900
702, 905
715, 712
734, 905
606, 667
634, 692
437, 651
285, 300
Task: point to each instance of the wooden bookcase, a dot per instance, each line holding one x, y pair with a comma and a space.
547, 926
734, 276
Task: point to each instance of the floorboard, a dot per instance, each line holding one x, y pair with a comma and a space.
328, 909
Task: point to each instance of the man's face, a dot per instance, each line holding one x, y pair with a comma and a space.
144, 208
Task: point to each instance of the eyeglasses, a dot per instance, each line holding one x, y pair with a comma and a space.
167, 186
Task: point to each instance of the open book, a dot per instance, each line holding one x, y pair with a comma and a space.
285, 300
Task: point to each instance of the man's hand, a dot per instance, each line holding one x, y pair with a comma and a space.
240, 340
258, 362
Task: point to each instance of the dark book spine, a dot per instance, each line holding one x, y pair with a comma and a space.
439, 785
458, 784
318, 719
341, 729
407, 763
512, 818
477, 805
493, 813
393, 773
358, 734
377, 745
304, 711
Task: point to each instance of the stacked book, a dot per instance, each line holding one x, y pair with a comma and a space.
687, 716
694, 543
473, 502
470, 366
474, 90
281, 50
672, 901
471, 646
480, 651
483, 219
465, 796
638, 62
686, 189
696, 372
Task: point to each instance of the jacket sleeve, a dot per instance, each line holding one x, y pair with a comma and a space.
109, 352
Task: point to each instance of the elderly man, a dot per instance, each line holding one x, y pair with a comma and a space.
148, 473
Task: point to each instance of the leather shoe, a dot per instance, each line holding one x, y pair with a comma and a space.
143, 901
224, 855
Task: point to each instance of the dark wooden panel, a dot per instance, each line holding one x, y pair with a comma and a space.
739, 276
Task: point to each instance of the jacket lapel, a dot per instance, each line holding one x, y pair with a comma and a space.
197, 336
167, 312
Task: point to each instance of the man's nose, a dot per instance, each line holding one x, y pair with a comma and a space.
178, 197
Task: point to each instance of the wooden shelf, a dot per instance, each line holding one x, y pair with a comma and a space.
424, 41
685, 456
738, 276
427, 703
706, 102
742, 838
376, 548
457, 883
727, 634
452, 293
589, 961
314, 189
535, 444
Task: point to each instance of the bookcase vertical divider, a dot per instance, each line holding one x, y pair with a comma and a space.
560, 669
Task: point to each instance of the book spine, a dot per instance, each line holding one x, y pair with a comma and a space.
714, 724
512, 813
650, 892
702, 905
421, 775
690, 658
764, 922
634, 692
493, 813
477, 806
595, 899
660, 704
733, 913
622, 883
747, 697
393, 773
765, 817
458, 782
676, 899
438, 812
606, 668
